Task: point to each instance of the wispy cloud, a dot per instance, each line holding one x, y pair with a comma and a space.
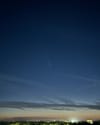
74, 76
15, 79
21, 81
63, 106
92, 83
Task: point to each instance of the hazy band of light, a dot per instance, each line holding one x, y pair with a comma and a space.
48, 114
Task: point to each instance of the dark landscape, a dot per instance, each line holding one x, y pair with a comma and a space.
49, 123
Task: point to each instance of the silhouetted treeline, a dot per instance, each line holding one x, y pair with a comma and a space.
48, 123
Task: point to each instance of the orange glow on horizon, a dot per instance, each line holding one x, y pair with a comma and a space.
49, 114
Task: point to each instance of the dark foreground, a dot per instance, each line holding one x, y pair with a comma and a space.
49, 123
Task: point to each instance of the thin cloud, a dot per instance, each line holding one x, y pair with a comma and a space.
79, 77
93, 82
17, 81
12, 80
23, 105
66, 100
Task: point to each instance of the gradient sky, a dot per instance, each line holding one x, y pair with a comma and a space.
50, 59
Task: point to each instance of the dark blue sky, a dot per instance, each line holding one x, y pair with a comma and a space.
50, 51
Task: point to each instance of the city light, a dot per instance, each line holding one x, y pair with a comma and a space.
90, 121
74, 120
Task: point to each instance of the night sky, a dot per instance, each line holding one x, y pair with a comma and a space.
50, 59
